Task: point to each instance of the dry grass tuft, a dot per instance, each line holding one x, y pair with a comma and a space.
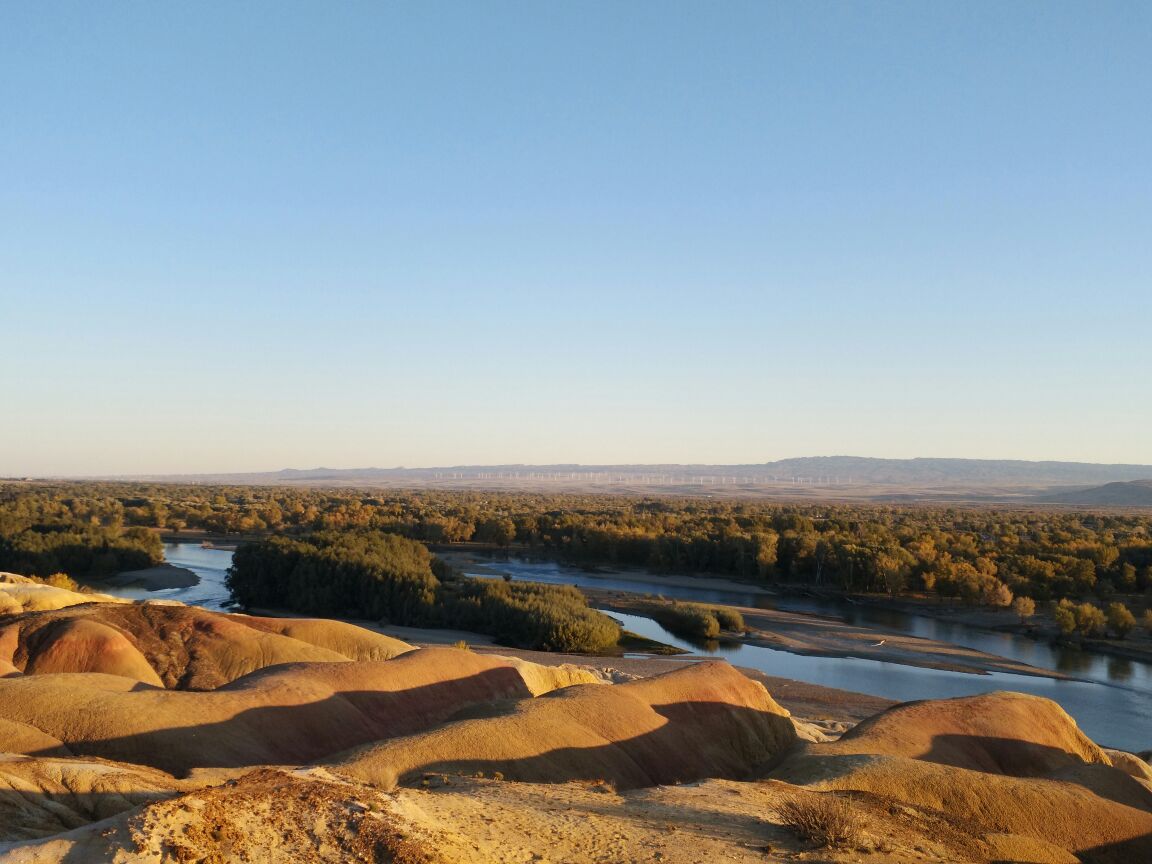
824, 820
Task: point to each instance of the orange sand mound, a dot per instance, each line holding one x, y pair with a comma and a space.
177, 646
1109, 823
288, 714
1005, 733
266, 816
705, 720
44, 796
999, 764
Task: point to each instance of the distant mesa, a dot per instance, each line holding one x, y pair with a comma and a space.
829, 476
1136, 493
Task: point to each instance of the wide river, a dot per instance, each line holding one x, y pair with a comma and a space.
1112, 702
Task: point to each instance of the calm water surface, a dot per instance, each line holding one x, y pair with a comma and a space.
209, 564
1114, 706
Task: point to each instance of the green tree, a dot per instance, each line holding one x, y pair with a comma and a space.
1025, 607
1090, 620
996, 593
893, 567
499, 530
1065, 618
1120, 620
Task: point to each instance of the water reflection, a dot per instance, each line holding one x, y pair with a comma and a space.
1120, 669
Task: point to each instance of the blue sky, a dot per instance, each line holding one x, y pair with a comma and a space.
244, 236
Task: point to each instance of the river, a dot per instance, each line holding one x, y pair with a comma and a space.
211, 565
1113, 705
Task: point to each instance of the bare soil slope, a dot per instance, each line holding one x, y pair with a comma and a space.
176, 646
156, 732
286, 714
999, 764
704, 720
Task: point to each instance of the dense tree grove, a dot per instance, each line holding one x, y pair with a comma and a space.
368, 574
81, 534
348, 573
980, 555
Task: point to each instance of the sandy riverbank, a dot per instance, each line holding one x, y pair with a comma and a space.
820, 636
153, 578
1040, 627
816, 635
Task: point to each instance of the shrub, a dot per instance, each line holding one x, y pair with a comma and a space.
528, 615
824, 820
996, 593
729, 619
62, 580
1065, 617
686, 620
695, 620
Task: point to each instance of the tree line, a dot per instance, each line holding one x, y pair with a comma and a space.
980, 555
43, 533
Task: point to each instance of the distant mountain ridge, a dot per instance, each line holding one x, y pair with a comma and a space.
812, 470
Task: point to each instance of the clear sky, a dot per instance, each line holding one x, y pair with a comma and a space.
249, 235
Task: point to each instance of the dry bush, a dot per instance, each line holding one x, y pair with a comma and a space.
63, 580
824, 820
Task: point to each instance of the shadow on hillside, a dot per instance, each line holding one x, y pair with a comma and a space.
697, 740
1126, 852
1012, 757
301, 733
26, 815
